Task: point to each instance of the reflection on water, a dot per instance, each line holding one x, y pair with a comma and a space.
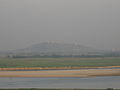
96, 82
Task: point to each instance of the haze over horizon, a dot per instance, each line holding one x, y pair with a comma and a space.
93, 23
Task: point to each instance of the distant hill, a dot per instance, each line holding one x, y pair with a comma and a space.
57, 48
51, 49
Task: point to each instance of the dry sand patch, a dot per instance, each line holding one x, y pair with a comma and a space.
62, 73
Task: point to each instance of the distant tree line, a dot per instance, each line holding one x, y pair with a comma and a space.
54, 56
107, 54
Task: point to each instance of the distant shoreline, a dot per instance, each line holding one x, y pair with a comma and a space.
56, 68
62, 73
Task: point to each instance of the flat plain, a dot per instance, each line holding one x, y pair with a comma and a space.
58, 62
86, 67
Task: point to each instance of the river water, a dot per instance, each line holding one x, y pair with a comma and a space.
82, 83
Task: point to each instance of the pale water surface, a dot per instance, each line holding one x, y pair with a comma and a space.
96, 82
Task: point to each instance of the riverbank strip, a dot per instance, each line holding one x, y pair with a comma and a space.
62, 73
55, 68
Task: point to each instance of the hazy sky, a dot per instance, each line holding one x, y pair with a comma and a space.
94, 23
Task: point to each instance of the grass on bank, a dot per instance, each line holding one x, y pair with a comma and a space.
58, 62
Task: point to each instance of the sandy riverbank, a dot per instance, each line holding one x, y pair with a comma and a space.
62, 73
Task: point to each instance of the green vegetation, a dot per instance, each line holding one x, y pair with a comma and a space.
58, 62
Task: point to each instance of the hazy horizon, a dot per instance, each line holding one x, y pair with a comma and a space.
93, 23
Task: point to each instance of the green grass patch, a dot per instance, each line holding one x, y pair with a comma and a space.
58, 62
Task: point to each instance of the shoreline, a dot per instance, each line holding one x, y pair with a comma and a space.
84, 73
56, 68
